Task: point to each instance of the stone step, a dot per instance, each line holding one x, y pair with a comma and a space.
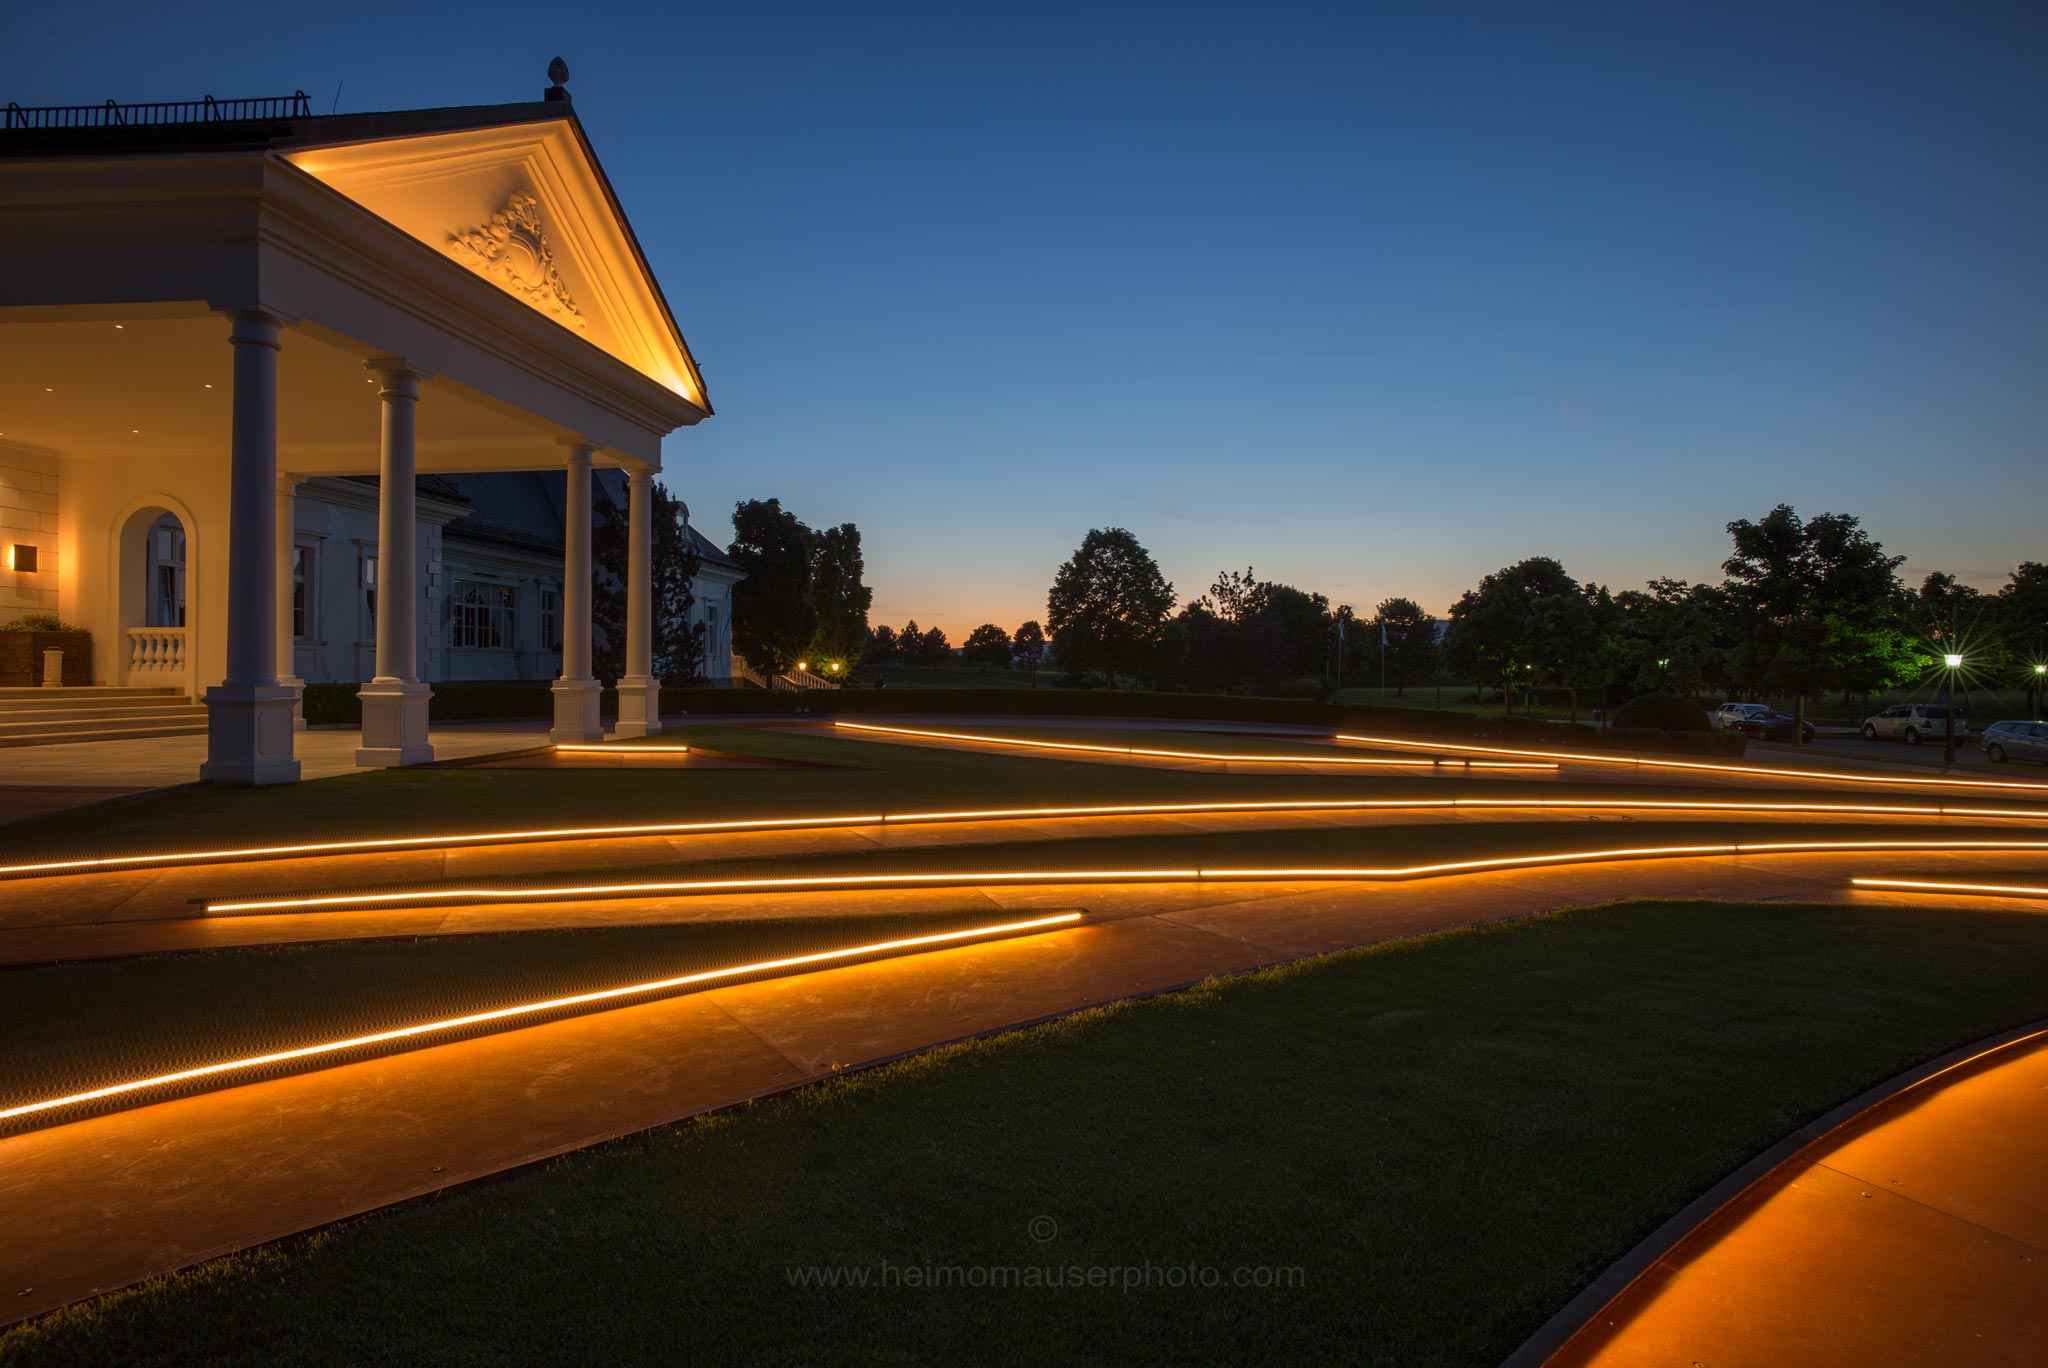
57, 705
106, 734
99, 717
96, 692
123, 725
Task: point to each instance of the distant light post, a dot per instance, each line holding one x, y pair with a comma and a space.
1948, 693
2039, 670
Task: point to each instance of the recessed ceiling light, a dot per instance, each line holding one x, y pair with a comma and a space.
135, 430
209, 385
119, 326
48, 390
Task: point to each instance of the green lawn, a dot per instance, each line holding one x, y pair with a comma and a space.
1429, 1146
86, 1023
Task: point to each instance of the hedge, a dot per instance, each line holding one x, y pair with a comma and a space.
336, 703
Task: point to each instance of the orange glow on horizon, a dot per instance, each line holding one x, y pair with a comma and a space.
533, 1008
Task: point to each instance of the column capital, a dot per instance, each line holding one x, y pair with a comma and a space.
254, 323
581, 449
639, 477
397, 377
287, 482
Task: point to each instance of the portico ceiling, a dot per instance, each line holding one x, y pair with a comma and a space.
90, 383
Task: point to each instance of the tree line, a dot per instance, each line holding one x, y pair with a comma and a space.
1805, 607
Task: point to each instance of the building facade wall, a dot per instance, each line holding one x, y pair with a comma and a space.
335, 527
28, 517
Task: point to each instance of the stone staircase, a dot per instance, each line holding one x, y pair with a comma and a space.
46, 717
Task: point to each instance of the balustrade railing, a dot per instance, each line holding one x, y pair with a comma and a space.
156, 655
113, 114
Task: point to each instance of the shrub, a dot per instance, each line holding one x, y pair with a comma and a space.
39, 622
1663, 712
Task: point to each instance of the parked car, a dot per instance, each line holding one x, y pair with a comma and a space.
1729, 716
1912, 723
1774, 726
2005, 741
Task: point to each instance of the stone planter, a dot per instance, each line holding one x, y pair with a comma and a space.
21, 658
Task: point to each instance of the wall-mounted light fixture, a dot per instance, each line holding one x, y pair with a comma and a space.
22, 559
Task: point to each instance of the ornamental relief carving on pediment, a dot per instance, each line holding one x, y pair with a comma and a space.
512, 251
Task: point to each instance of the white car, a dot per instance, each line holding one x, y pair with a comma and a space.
1730, 716
1913, 723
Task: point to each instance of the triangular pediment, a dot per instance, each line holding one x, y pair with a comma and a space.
525, 206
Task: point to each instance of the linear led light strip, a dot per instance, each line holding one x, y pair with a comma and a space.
1191, 755
323, 848
1835, 776
1933, 886
972, 878
614, 748
529, 1009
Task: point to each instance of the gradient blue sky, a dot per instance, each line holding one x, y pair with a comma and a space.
1373, 300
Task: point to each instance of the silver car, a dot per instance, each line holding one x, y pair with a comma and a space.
2005, 741
1731, 716
1912, 723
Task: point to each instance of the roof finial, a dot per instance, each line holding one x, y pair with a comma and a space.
558, 72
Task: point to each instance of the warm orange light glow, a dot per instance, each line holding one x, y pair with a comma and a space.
1933, 886
1834, 776
1189, 755
528, 1009
620, 748
973, 878
90, 864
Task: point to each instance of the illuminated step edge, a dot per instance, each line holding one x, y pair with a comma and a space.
1959, 889
56, 1110
1764, 771
407, 898
1252, 807
984, 739
620, 748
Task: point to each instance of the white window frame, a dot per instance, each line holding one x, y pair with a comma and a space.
483, 616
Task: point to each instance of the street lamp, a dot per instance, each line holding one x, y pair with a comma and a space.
2039, 670
1948, 695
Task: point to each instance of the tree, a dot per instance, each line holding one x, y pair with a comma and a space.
933, 649
1108, 603
1492, 635
987, 645
838, 597
1572, 641
677, 654
882, 646
1817, 604
2021, 613
773, 619
1029, 643
1408, 635
1666, 636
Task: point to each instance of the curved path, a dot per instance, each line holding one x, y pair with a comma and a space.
102, 1202
1910, 1227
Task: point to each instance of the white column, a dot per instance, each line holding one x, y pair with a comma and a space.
639, 690
576, 692
395, 702
248, 714
287, 650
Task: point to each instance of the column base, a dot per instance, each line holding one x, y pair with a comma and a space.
576, 712
639, 706
394, 723
298, 688
249, 735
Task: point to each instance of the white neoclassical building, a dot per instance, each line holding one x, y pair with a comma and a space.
216, 317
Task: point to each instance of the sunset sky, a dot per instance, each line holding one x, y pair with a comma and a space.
1373, 299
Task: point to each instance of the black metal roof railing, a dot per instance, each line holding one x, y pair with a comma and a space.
114, 115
